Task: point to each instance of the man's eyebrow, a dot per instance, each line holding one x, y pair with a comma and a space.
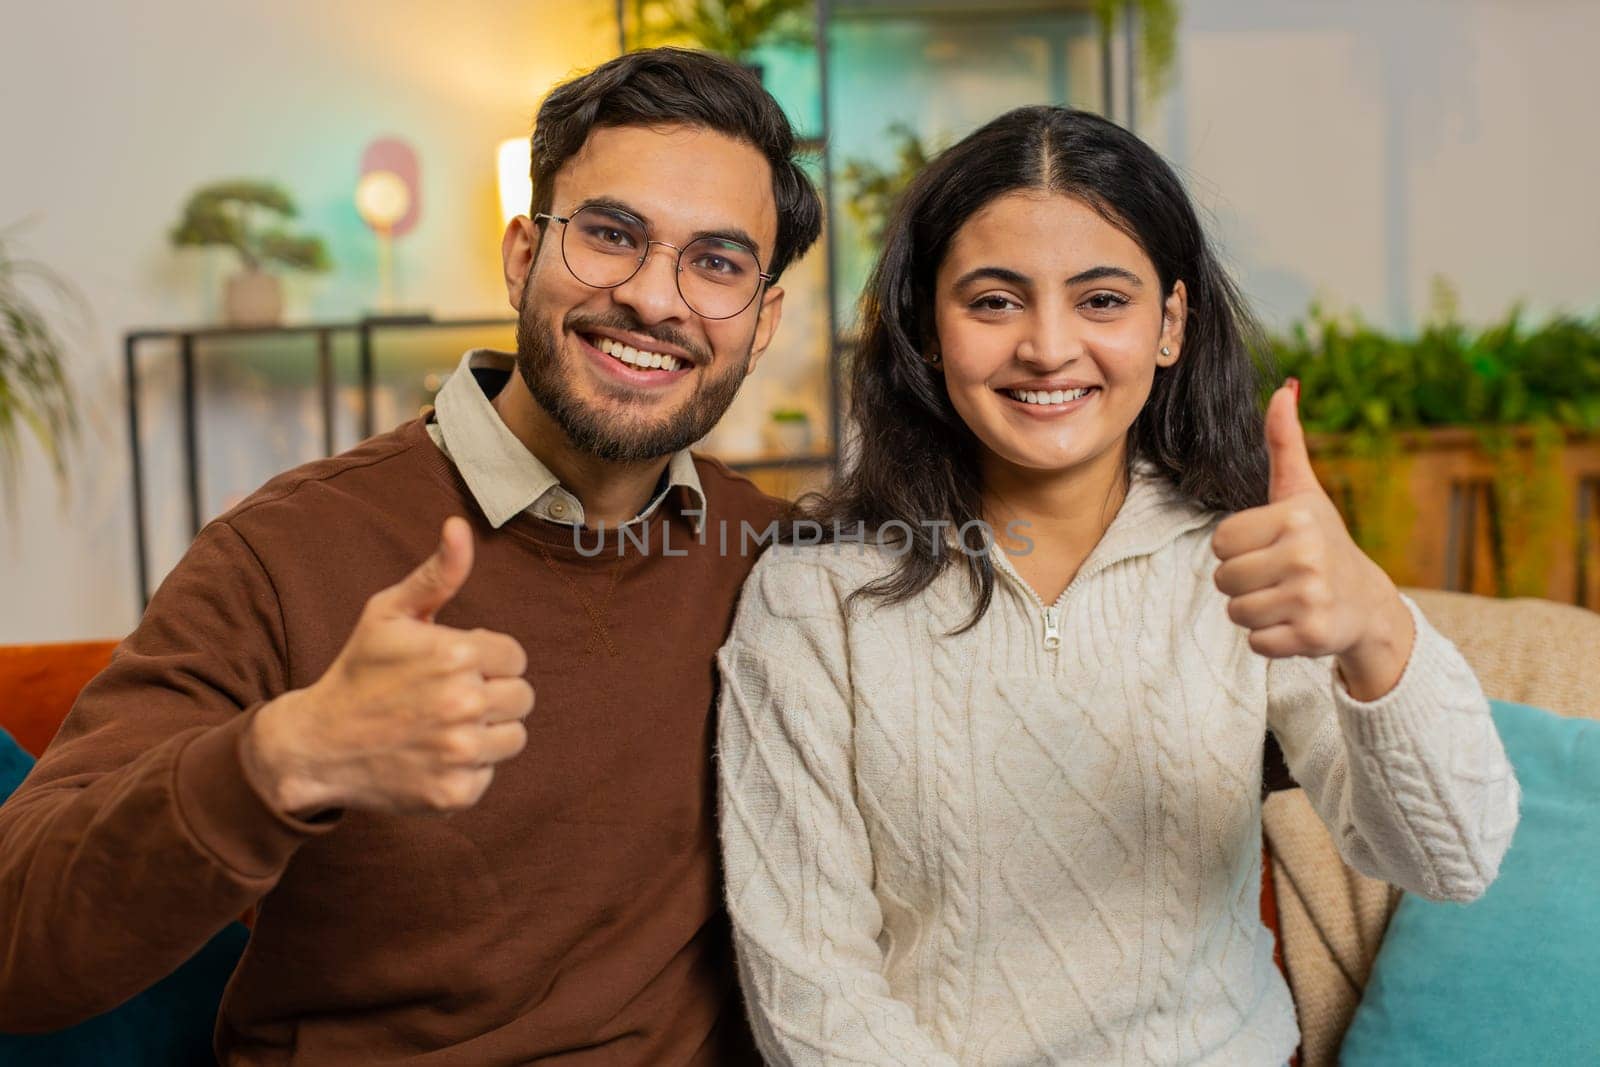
733, 234
614, 206
1094, 274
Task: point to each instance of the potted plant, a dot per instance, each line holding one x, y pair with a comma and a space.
35, 395
733, 28
247, 216
1462, 457
789, 432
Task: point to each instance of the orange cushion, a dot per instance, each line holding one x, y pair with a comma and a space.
39, 683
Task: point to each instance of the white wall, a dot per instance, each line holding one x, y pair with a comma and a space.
113, 112
1348, 149
1353, 150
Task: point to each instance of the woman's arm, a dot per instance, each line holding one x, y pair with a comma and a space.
1414, 786
1380, 718
798, 862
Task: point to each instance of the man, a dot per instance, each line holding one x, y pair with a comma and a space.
309, 721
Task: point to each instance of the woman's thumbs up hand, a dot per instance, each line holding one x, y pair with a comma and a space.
1297, 581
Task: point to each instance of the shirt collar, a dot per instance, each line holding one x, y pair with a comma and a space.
504, 477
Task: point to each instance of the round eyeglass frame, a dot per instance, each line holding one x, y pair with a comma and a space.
762, 277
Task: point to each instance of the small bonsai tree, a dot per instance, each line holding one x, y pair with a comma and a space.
246, 216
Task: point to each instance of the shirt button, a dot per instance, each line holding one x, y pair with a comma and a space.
558, 509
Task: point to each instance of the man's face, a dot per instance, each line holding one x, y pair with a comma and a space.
683, 182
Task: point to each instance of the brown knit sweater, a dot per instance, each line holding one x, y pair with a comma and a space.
573, 916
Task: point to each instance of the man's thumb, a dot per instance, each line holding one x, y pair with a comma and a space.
1286, 446
425, 590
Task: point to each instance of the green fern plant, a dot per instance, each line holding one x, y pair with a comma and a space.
35, 394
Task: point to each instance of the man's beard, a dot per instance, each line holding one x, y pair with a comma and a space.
610, 436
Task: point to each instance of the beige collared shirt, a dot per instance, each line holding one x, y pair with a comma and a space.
504, 477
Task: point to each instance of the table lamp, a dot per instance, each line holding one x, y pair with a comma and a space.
388, 200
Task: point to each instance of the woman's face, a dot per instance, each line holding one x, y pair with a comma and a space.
1050, 325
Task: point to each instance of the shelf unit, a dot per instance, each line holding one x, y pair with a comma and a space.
779, 474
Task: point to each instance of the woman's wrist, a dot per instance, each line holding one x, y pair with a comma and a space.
1373, 666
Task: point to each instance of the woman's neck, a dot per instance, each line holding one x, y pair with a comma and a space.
1064, 513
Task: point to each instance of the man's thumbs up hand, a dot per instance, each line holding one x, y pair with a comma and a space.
420, 594
411, 716
1296, 580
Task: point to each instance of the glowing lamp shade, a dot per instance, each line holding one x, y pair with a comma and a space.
383, 198
516, 187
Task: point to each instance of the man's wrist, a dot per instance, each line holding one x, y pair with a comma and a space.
268, 752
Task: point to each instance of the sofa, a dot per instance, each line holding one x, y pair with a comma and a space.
1331, 920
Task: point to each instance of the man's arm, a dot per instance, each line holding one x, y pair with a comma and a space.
179, 786
138, 836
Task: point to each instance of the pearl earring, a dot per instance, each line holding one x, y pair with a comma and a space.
1165, 351
933, 359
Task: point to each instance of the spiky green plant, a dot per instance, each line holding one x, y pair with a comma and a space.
35, 395
246, 216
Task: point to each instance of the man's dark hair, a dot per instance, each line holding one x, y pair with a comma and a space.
661, 86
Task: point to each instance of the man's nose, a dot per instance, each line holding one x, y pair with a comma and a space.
652, 292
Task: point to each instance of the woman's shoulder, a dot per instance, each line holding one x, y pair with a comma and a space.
802, 580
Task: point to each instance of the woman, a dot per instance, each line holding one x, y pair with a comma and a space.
999, 803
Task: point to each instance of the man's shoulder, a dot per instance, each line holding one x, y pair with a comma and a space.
390, 472
731, 495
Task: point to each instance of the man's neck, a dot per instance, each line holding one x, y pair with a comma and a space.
611, 493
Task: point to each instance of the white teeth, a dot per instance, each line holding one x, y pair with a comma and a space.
1053, 396
633, 356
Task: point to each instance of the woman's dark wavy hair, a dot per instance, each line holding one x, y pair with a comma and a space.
913, 458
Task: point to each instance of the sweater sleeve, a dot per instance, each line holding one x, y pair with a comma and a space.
1415, 786
137, 835
797, 857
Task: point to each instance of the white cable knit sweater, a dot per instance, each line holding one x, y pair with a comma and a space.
984, 849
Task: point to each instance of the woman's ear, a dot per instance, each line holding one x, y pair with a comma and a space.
1174, 314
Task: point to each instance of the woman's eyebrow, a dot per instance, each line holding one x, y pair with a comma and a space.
1094, 274
1004, 275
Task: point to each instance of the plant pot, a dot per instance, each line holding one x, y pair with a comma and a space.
253, 298
789, 440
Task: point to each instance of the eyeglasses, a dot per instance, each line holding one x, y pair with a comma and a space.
603, 247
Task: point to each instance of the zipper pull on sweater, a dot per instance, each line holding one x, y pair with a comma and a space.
1052, 630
